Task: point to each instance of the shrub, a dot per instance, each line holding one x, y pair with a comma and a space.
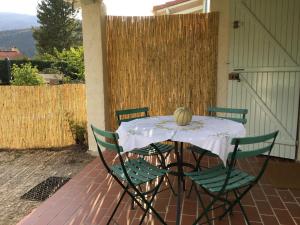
26, 75
78, 130
69, 62
51, 71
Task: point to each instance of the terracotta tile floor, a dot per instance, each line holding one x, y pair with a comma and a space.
89, 198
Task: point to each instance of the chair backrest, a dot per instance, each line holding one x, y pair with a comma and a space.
268, 140
126, 115
238, 115
109, 141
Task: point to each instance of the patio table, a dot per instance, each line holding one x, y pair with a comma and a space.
210, 133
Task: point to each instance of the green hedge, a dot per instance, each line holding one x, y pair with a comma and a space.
64, 67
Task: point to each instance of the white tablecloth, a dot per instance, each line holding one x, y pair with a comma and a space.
210, 133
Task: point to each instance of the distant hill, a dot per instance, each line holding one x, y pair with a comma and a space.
14, 21
22, 39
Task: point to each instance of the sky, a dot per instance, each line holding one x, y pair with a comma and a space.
114, 7
19, 6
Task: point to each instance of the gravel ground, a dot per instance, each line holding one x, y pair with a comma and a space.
22, 170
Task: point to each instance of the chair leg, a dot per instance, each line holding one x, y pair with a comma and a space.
117, 206
197, 167
170, 184
199, 161
194, 155
202, 204
190, 191
151, 200
236, 201
210, 205
132, 202
242, 207
168, 153
160, 161
206, 209
148, 203
224, 207
132, 205
142, 197
126, 189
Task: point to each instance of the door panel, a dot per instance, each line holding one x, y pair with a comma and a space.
265, 51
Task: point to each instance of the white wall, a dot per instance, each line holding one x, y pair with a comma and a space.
93, 31
222, 6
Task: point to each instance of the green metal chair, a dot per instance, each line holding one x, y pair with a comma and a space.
237, 115
131, 174
219, 181
156, 149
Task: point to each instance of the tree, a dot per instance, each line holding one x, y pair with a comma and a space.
58, 27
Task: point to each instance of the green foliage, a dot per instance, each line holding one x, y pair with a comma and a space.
58, 27
51, 70
69, 62
78, 130
67, 79
26, 75
40, 64
45, 57
72, 67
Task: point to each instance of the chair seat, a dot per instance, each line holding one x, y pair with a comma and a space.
213, 179
139, 170
149, 150
201, 151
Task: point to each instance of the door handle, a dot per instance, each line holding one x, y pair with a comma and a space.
234, 76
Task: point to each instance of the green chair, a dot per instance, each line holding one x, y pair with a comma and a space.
131, 174
219, 181
156, 149
237, 115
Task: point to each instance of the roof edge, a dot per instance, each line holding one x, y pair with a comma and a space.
168, 4
79, 3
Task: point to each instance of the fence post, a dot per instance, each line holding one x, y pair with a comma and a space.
6, 78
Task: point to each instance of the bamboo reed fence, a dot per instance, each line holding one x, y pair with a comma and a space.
162, 62
37, 116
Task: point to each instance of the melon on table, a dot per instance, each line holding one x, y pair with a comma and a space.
183, 116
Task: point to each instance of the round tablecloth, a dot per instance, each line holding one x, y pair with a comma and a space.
209, 133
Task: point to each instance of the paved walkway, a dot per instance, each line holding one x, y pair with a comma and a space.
89, 198
22, 170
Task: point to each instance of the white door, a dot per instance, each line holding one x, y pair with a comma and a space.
265, 53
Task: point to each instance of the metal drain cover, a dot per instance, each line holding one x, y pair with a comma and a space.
45, 189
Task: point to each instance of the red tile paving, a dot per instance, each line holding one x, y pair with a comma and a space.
89, 198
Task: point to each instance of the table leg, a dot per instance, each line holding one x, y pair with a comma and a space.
179, 180
181, 166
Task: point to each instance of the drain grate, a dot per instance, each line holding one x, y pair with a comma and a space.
45, 189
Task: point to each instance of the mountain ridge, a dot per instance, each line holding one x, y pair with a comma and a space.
21, 39
16, 21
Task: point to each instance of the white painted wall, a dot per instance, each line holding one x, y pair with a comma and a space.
222, 6
93, 15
